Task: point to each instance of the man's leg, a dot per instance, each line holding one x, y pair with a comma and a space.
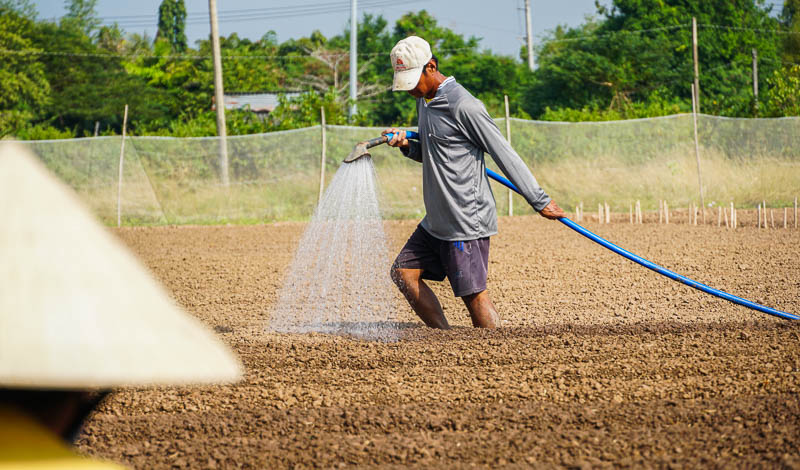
481, 310
421, 298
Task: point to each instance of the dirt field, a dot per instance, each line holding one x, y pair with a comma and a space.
599, 362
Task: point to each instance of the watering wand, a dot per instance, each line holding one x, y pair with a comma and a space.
361, 151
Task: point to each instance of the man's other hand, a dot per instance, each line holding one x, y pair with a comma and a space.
399, 139
552, 211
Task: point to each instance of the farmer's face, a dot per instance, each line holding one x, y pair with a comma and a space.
425, 82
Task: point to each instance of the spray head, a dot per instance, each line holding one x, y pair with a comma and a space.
360, 149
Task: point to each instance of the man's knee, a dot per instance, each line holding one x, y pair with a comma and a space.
402, 277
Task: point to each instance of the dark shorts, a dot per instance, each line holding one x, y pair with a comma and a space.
464, 263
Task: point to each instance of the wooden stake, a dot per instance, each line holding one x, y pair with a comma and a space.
759, 216
785, 216
508, 137
608, 212
639, 210
322, 157
695, 110
121, 163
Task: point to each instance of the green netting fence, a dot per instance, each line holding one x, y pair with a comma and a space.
275, 176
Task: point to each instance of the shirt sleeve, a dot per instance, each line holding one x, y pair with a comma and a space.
483, 132
413, 151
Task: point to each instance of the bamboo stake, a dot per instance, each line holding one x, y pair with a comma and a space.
785, 215
759, 216
508, 137
322, 156
121, 163
725, 213
639, 207
608, 212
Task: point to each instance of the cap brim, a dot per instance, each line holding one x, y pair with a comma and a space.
407, 79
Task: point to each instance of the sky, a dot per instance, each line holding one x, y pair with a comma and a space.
501, 23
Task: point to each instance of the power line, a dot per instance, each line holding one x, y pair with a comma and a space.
267, 14
757, 30
614, 33
134, 55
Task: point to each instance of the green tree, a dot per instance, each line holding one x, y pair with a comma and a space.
87, 84
784, 92
82, 14
172, 24
639, 46
790, 19
24, 89
23, 8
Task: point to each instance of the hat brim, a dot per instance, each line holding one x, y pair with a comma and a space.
406, 79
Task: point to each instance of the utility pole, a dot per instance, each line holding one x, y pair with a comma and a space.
696, 69
353, 58
218, 93
529, 35
755, 82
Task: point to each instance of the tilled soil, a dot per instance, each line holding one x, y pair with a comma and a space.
599, 362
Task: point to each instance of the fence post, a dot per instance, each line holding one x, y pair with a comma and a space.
322, 157
694, 58
121, 162
755, 83
695, 107
508, 137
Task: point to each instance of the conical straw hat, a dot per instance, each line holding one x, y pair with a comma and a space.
77, 310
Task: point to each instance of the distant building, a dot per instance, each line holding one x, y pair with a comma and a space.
260, 103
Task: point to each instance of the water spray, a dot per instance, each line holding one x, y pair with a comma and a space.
361, 151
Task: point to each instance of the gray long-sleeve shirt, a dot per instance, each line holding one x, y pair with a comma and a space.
455, 131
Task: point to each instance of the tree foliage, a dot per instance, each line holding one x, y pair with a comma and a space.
172, 24
633, 59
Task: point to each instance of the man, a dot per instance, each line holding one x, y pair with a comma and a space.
453, 239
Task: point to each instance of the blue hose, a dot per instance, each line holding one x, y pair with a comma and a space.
654, 267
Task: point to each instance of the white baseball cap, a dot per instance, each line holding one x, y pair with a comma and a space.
409, 57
